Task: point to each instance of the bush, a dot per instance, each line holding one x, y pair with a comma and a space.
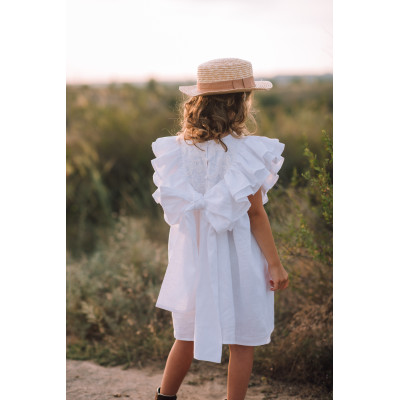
111, 295
302, 344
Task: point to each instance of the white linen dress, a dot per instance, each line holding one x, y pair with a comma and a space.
216, 284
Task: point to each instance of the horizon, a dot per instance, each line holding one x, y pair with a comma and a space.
280, 77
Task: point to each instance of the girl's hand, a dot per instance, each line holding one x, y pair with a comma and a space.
278, 277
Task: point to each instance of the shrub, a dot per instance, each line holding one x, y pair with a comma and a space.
302, 344
111, 295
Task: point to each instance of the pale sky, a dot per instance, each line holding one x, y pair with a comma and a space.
135, 40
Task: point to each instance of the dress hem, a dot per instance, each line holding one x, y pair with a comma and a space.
172, 309
264, 340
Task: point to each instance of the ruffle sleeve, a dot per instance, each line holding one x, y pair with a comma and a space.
256, 166
169, 178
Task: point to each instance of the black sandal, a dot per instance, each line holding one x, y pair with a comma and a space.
160, 396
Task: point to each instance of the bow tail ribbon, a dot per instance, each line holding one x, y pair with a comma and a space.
193, 284
207, 334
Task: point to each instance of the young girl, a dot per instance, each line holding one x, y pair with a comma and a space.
223, 268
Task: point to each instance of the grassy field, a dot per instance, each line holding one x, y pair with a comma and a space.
116, 236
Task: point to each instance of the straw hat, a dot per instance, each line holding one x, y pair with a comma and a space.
225, 75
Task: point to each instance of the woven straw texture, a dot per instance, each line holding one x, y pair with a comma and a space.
223, 70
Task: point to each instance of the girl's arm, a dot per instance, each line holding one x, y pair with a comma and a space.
261, 229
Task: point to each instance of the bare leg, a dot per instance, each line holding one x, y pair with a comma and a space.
178, 363
239, 370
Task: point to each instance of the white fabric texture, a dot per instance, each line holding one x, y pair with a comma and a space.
216, 269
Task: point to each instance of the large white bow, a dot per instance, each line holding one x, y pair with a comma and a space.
220, 209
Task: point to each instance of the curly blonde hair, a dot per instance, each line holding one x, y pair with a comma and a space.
211, 117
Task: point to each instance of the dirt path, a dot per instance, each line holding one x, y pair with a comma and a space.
87, 380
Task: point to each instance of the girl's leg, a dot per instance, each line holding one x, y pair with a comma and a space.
239, 370
178, 363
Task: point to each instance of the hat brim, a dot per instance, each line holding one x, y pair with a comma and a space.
194, 91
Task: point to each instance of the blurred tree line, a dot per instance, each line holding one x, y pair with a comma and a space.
110, 130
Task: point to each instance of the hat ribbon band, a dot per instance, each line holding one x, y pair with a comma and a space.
244, 83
